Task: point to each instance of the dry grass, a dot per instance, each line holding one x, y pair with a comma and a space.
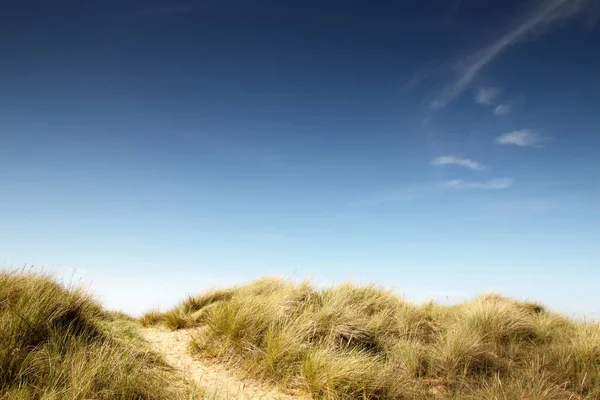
353, 342
58, 343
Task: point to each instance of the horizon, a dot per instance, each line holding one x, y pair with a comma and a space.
115, 292
443, 149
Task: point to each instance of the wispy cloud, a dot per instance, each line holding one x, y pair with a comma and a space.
487, 96
545, 14
427, 191
523, 137
494, 184
461, 162
502, 109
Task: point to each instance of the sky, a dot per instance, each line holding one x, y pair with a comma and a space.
442, 148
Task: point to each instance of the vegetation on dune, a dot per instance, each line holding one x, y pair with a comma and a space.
367, 343
58, 343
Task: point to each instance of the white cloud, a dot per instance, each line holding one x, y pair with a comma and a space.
502, 109
500, 183
542, 17
462, 162
523, 137
487, 96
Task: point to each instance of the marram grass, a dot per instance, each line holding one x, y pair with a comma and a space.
57, 343
351, 342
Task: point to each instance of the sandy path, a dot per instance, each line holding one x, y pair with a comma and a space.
219, 382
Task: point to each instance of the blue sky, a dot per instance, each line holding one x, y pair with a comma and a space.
442, 148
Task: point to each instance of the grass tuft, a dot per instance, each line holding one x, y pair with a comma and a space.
350, 342
58, 343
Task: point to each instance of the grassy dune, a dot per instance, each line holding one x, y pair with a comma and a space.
367, 343
58, 343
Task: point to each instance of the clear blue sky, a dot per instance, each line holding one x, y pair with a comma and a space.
442, 148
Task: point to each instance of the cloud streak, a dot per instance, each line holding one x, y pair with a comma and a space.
461, 162
494, 184
523, 138
487, 96
428, 191
502, 109
542, 17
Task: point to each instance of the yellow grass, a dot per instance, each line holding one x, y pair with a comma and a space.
351, 342
57, 343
